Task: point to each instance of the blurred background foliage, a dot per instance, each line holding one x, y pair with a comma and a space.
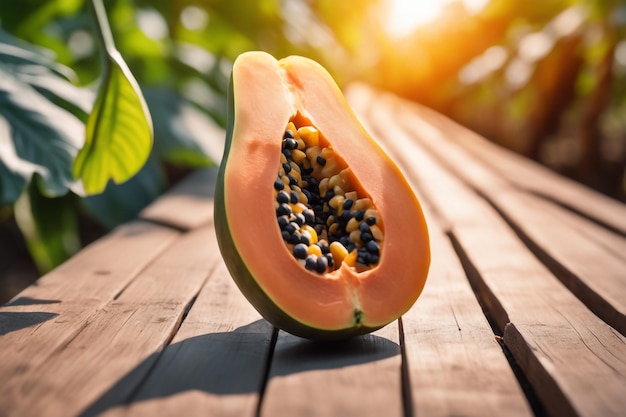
546, 78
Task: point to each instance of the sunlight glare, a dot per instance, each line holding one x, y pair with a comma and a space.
405, 15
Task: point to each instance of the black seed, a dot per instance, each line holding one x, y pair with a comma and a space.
346, 216
294, 239
287, 153
364, 228
366, 237
345, 241
295, 198
331, 261
307, 194
360, 260
307, 171
359, 215
285, 234
282, 197
288, 134
299, 219
304, 239
322, 264
278, 185
291, 228
323, 246
347, 203
283, 210
287, 168
311, 262
371, 221
309, 216
320, 160
290, 143
329, 194
300, 251
292, 180
372, 247
312, 181
374, 258
283, 221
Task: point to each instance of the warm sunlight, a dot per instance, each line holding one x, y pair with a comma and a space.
406, 15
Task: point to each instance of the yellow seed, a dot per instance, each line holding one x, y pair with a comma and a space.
285, 179
355, 236
328, 153
338, 190
332, 229
350, 259
302, 197
362, 204
371, 213
298, 208
314, 250
353, 224
323, 186
329, 169
292, 127
345, 175
336, 201
283, 158
310, 135
297, 156
352, 195
376, 232
312, 233
301, 145
312, 152
339, 252
336, 180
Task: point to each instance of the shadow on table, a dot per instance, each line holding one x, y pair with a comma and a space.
233, 363
11, 321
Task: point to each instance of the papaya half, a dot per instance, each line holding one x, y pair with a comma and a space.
316, 224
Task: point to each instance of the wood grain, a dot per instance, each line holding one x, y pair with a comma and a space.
455, 365
526, 174
110, 355
576, 362
597, 276
187, 205
360, 377
59, 305
216, 363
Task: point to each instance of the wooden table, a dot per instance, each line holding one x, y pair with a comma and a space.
522, 314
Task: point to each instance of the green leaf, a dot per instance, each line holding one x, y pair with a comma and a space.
49, 226
36, 136
119, 129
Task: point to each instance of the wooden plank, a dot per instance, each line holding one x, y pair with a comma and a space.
455, 365
110, 355
47, 315
216, 363
527, 174
576, 363
577, 260
187, 205
360, 377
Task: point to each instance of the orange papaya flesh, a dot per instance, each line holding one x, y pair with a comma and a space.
349, 298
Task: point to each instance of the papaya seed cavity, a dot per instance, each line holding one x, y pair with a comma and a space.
323, 219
